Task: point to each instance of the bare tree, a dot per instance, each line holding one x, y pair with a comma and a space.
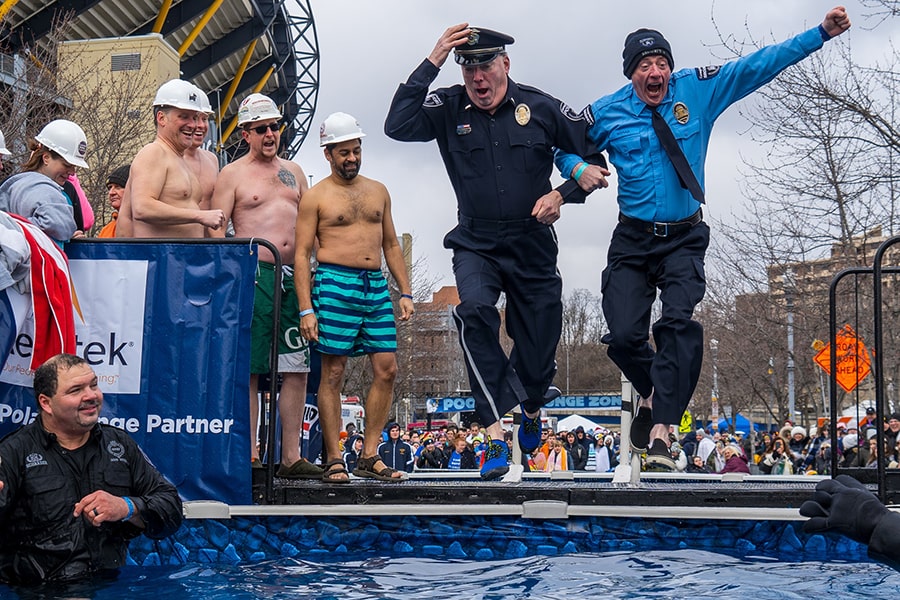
55, 78
825, 188
583, 365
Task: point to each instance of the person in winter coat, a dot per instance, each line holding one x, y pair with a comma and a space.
778, 459
353, 447
735, 461
558, 459
853, 455
396, 453
585, 439
679, 457
696, 465
577, 452
689, 443
431, 456
797, 444
605, 455
461, 457
37, 192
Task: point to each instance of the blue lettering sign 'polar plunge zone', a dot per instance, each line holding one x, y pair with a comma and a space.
109, 325
451, 404
588, 401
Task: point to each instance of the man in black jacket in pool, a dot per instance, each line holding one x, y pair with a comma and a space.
72, 490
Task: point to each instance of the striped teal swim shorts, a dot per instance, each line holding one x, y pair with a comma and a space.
354, 310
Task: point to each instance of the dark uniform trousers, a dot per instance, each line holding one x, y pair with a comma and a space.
639, 263
518, 258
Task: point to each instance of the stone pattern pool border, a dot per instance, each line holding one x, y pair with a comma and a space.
253, 539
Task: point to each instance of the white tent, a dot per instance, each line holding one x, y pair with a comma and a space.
572, 422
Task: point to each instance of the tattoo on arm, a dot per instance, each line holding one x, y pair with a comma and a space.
287, 178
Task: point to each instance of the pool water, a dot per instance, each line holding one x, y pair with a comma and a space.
647, 574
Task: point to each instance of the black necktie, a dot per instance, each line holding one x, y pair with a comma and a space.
679, 160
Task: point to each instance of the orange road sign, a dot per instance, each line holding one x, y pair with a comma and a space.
853, 361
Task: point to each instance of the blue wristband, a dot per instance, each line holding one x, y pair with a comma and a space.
579, 171
130, 508
406, 296
305, 312
823, 33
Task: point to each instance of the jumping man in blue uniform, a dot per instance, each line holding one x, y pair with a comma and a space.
656, 130
496, 138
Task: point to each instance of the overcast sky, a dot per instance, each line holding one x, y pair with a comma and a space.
573, 50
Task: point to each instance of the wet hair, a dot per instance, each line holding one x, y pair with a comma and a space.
46, 376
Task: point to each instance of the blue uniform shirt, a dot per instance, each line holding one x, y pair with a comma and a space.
648, 185
499, 164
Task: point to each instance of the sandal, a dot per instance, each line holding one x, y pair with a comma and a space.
365, 467
333, 470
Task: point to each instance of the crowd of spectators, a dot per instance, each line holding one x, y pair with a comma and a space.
788, 451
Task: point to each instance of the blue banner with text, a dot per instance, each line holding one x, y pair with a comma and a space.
166, 328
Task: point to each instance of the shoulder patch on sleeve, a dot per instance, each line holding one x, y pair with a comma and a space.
570, 113
432, 100
707, 72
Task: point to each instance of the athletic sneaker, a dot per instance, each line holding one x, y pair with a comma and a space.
659, 455
641, 424
529, 433
495, 460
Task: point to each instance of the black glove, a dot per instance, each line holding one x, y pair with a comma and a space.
845, 505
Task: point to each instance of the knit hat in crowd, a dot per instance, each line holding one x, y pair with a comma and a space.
119, 176
849, 441
643, 43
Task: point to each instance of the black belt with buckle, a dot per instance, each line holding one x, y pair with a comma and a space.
660, 229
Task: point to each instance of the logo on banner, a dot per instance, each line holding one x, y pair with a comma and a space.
109, 326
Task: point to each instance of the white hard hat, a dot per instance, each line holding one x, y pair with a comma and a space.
3, 150
205, 106
178, 93
66, 139
339, 127
257, 107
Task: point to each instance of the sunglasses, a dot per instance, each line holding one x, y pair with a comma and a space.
262, 129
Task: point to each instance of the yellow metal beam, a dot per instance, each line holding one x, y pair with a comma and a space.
207, 16
239, 74
6, 7
259, 86
161, 17
232, 89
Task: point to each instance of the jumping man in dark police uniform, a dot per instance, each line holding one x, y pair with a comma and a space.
657, 131
496, 138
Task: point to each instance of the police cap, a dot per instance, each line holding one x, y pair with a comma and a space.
483, 46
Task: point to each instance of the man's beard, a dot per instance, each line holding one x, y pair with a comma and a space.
347, 174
